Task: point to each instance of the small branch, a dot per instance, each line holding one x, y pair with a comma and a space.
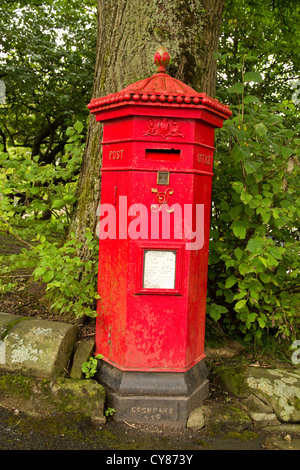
14, 233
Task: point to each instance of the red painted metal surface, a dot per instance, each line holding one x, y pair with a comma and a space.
158, 144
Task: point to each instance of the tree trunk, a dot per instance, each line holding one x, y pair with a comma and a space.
129, 33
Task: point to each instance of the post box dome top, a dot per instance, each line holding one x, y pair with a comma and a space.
159, 90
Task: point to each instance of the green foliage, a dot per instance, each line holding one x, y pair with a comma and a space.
89, 368
40, 200
262, 37
70, 279
47, 56
253, 265
41, 195
109, 411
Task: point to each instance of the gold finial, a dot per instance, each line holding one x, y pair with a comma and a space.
161, 58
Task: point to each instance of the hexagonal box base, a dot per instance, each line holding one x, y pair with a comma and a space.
154, 398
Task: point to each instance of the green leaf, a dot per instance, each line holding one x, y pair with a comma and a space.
251, 317
240, 295
251, 167
261, 322
39, 271
58, 204
252, 77
34, 190
239, 153
251, 99
255, 244
230, 281
48, 276
265, 278
240, 304
239, 228
216, 310
261, 129
236, 88
239, 231
274, 252
238, 253
246, 197
254, 294
78, 126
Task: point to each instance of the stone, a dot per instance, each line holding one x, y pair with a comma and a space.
196, 419
39, 348
229, 417
255, 405
281, 389
261, 420
53, 397
261, 413
7, 320
80, 396
234, 380
277, 388
84, 351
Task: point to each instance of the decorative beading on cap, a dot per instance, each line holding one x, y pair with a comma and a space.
161, 58
159, 89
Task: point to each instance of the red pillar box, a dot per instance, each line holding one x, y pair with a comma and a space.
158, 145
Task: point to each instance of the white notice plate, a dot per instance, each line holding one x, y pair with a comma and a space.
159, 269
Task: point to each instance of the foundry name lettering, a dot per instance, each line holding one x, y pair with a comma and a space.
146, 410
152, 413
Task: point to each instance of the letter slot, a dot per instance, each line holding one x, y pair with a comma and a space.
169, 155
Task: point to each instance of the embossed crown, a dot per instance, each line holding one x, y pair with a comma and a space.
159, 90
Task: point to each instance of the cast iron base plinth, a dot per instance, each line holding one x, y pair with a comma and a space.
154, 397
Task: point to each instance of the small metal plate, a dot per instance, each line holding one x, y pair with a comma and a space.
159, 269
163, 177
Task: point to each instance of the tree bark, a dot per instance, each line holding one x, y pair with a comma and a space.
129, 33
